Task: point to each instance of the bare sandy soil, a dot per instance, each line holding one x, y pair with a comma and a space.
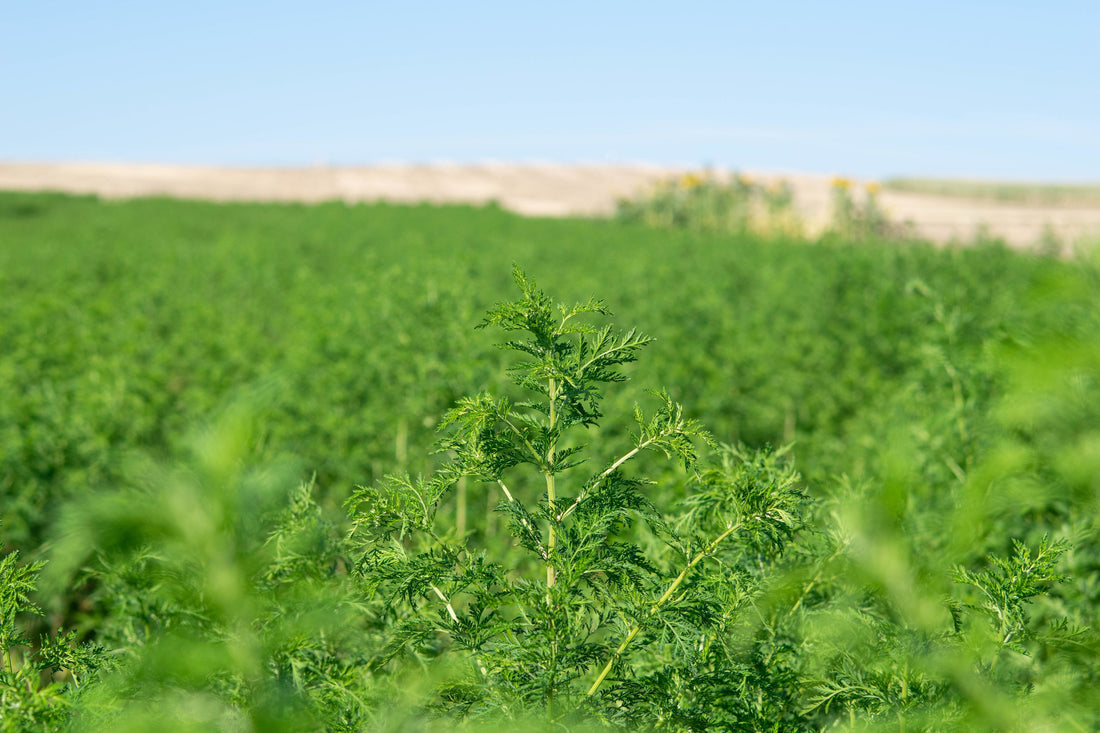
536, 190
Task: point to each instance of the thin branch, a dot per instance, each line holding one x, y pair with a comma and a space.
660, 602
633, 452
526, 524
450, 608
813, 580
521, 436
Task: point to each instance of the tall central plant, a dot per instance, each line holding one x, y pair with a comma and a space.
607, 612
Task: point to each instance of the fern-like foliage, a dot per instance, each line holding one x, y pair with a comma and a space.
605, 608
31, 699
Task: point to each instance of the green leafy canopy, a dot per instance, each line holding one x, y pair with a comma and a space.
603, 592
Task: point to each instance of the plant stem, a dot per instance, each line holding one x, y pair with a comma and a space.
460, 508
401, 444
551, 489
552, 540
450, 608
660, 602
526, 524
490, 514
581, 496
813, 580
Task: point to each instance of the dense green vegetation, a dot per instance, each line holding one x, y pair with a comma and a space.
221, 509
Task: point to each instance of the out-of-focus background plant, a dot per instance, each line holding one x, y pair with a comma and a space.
703, 201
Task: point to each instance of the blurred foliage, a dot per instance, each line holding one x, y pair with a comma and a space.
162, 363
859, 217
738, 204
705, 202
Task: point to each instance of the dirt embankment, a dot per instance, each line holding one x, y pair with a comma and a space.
537, 190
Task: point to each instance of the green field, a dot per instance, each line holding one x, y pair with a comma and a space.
173, 373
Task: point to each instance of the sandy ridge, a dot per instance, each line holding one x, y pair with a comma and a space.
530, 189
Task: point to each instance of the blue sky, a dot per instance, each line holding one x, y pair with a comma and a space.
976, 89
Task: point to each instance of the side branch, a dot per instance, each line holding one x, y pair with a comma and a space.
519, 434
705, 552
526, 524
626, 457
450, 608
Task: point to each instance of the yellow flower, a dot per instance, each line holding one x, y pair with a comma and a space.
841, 183
873, 188
689, 181
744, 179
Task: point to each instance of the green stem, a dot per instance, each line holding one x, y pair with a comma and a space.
552, 540
460, 508
553, 671
633, 452
401, 444
660, 602
551, 489
813, 580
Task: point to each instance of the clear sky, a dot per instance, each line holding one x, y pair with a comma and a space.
980, 89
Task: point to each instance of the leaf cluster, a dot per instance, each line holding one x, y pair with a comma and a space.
30, 697
627, 603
